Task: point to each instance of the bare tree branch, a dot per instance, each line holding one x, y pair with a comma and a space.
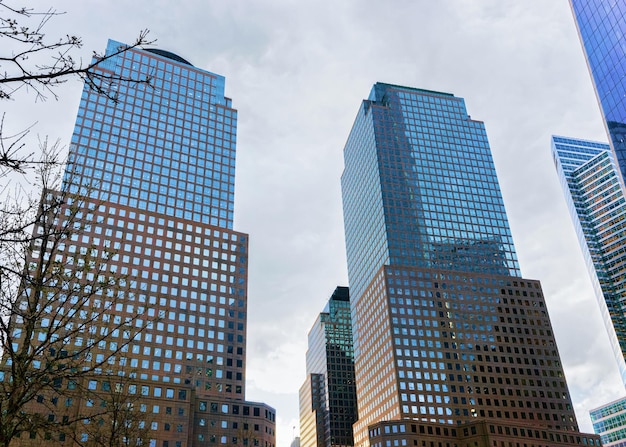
60, 326
62, 335
37, 63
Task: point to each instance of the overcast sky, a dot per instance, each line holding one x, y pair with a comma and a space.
297, 72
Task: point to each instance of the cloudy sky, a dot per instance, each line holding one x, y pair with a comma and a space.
297, 72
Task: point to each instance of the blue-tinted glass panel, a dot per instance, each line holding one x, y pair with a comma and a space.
602, 29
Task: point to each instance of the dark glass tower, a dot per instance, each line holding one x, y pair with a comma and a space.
159, 163
602, 29
328, 395
446, 331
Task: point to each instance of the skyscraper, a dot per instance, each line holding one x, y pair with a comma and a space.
589, 177
447, 333
328, 395
159, 163
602, 29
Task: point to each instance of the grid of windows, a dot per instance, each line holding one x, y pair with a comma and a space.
328, 396
477, 434
609, 421
447, 347
188, 279
168, 148
420, 188
602, 27
247, 424
445, 328
150, 187
590, 181
465, 346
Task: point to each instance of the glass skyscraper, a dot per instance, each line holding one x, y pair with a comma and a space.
413, 217
590, 180
601, 27
602, 30
328, 395
446, 331
158, 162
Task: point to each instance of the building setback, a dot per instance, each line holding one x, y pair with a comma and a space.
328, 395
159, 165
602, 30
446, 331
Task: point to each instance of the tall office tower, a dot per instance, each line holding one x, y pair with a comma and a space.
159, 163
446, 331
590, 180
328, 395
602, 29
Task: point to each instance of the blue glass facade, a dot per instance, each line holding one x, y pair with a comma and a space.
602, 30
609, 421
590, 180
420, 188
167, 148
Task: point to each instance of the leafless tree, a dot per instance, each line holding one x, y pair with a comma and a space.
59, 321
33, 61
60, 328
107, 411
118, 415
